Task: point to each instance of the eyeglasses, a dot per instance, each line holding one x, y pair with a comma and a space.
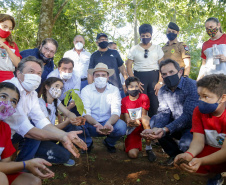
146, 53
48, 50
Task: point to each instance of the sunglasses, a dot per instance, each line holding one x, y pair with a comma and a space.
146, 53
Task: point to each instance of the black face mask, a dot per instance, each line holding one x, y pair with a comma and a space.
103, 44
145, 41
133, 93
44, 59
171, 36
172, 81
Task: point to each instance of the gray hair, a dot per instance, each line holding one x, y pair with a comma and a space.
79, 36
22, 63
168, 61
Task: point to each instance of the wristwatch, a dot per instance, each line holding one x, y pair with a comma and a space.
161, 83
164, 131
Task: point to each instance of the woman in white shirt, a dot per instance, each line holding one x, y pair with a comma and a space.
50, 104
145, 58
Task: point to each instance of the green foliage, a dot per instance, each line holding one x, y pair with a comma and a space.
93, 16
70, 94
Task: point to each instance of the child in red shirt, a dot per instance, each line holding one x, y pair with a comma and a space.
207, 152
135, 108
9, 97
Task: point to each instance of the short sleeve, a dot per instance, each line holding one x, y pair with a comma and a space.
9, 149
58, 102
123, 106
160, 52
202, 53
184, 51
145, 102
197, 125
43, 107
131, 54
119, 59
17, 52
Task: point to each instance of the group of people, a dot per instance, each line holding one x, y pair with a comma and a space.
162, 102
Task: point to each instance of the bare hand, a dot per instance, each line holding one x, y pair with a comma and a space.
140, 87
193, 166
221, 57
133, 123
108, 126
38, 168
78, 121
157, 87
71, 138
152, 134
3, 45
184, 156
98, 127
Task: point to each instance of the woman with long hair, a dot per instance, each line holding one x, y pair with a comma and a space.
9, 52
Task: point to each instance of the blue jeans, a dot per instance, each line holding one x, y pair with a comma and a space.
52, 152
90, 131
28, 147
83, 84
171, 147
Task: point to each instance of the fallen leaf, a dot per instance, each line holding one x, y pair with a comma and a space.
176, 176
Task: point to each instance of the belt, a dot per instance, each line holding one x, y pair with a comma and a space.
83, 79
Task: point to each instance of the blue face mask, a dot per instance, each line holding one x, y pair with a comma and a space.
207, 108
44, 59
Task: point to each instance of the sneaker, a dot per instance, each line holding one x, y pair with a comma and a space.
151, 155
88, 150
70, 162
111, 149
217, 180
168, 162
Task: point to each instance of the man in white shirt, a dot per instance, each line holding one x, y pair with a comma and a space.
81, 59
28, 79
102, 102
70, 79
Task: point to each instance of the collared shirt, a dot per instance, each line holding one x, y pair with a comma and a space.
48, 67
27, 108
73, 83
176, 108
150, 63
113, 60
177, 51
101, 105
81, 62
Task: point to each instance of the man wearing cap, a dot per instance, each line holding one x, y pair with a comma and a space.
176, 50
102, 102
109, 57
80, 58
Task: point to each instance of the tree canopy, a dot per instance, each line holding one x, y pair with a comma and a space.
63, 19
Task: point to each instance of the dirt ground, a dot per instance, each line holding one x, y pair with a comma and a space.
118, 169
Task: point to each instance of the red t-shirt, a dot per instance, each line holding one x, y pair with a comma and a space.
134, 108
6, 146
207, 46
214, 128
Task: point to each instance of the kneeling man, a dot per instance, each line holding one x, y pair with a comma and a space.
102, 102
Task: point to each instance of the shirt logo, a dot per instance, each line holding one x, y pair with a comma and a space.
111, 55
173, 51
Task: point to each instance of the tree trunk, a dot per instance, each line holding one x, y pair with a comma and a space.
46, 21
135, 23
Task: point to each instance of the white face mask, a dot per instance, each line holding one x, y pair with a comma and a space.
79, 45
100, 82
65, 76
31, 82
55, 92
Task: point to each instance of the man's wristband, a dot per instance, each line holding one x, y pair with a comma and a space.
190, 154
164, 131
24, 165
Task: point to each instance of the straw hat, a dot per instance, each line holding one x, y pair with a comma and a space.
101, 67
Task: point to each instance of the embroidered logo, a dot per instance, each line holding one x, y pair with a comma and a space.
111, 55
173, 51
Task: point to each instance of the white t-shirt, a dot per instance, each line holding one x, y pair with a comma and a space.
150, 63
51, 116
